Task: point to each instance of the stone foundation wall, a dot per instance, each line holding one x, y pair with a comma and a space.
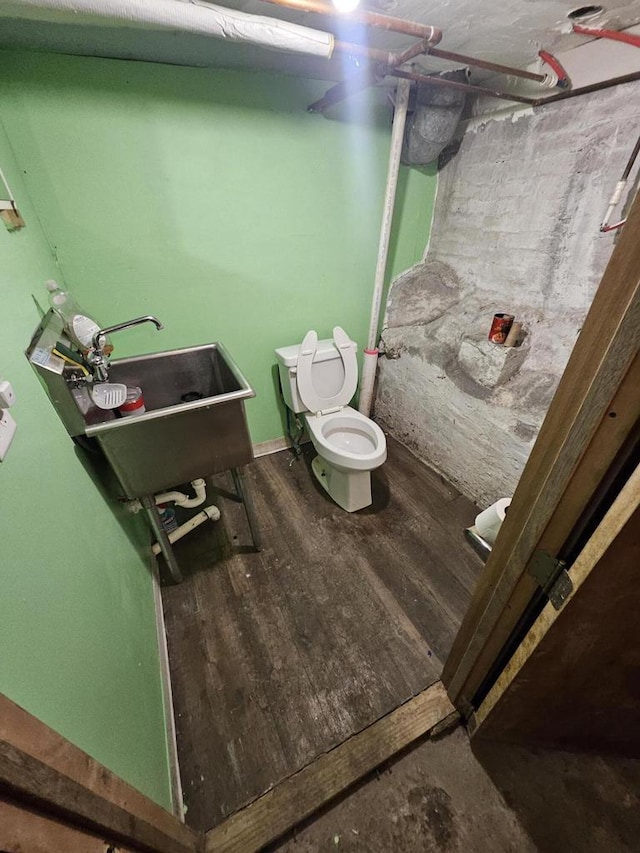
516, 230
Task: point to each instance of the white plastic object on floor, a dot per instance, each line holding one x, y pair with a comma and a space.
489, 521
211, 512
108, 395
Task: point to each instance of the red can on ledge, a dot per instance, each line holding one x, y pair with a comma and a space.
500, 328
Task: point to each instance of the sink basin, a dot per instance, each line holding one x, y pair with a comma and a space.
194, 424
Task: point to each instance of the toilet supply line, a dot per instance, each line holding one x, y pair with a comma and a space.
210, 512
370, 361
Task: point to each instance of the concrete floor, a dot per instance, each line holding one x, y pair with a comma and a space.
442, 796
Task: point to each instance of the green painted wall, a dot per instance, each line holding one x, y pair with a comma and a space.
211, 199
77, 633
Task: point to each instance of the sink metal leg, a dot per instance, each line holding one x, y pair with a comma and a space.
153, 514
245, 497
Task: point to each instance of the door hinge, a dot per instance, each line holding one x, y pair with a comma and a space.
551, 576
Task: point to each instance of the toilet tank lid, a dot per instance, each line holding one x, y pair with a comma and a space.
326, 350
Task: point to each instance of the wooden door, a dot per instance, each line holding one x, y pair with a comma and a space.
53, 796
595, 409
574, 683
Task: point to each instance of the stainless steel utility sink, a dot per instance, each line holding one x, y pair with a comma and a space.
194, 424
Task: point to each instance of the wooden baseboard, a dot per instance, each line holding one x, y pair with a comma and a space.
302, 794
167, 697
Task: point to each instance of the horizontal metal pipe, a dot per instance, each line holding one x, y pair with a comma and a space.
416, 49
482, 63
431, 35
389, 58
585, 90
371, 76
465, 87
385, 22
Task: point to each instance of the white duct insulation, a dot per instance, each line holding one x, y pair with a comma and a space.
211, 512
194, 17
370, 362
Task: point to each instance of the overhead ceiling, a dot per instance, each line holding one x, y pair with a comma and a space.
506, 31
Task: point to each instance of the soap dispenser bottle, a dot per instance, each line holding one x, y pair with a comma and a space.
77, 324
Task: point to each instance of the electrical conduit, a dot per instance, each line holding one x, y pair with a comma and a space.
370, 362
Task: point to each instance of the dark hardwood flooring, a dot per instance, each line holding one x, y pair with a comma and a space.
279, 656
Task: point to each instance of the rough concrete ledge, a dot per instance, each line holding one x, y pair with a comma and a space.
490, 364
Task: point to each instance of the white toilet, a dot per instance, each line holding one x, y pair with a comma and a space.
319, 378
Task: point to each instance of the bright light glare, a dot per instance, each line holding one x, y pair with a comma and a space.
345, 5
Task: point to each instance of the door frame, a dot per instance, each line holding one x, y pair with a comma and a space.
591, 416
595, 551
50, 786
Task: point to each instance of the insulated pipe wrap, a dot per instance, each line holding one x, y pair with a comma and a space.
195, 17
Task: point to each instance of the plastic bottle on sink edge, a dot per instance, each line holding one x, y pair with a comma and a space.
77, 324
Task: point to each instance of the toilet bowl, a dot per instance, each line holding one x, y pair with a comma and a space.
319, 379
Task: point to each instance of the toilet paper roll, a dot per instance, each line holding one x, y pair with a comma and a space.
489, 520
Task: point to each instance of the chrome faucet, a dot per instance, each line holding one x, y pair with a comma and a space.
97, 357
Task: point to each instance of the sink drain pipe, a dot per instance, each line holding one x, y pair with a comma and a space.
178, 498
370, 362
199, 487
211, 512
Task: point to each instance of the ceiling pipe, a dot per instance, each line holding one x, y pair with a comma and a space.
430, 34
385, 22
614, 35
586, 90
203, 18
371, 76
389, 58
488, 66
464, 87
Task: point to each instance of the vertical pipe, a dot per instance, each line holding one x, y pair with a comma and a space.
371, 351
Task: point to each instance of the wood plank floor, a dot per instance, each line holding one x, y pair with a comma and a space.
279, 656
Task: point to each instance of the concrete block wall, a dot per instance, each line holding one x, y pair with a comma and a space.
516, 230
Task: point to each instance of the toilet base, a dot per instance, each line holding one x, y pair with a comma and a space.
350, 490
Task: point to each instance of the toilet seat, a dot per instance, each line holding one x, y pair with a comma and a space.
347, 439
308, 394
